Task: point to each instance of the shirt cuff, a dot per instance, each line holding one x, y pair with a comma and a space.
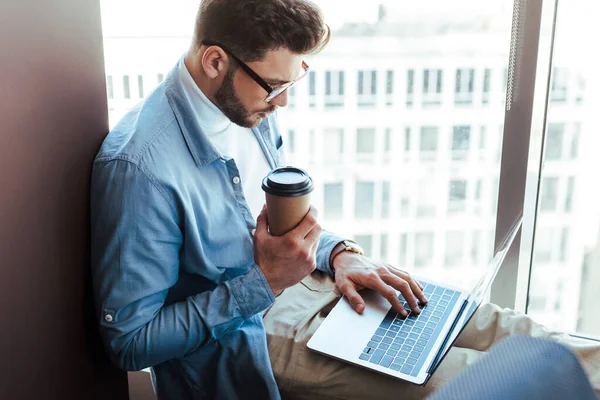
326, 246
252, 292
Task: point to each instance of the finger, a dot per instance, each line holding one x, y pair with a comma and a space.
404, 288
307, 224
388, 292
404, 274
262, 222
416, 288
314, 236
355, 299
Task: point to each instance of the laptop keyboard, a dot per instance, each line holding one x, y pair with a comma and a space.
403, 344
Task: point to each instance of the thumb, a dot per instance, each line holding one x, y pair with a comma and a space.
355, 299
261, 221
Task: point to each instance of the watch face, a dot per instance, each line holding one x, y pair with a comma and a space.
354, 247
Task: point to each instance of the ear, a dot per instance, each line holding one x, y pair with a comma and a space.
215, 62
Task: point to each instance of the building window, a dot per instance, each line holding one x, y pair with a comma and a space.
367, 88
427, 196
385, 200
424, 248
478, 187
487, 80
564, 245
544, 243
334, 88
365, 145
403, 249
580, 89
126, 89
334, 143
457, 196
575, 140
312, 89
570, 194
475, 245
364, 200
387, 146
384, 247
461, 142
291, 141
141, 86
465, 80
334, 200
292, 97
549, 194
536, 304
454, 248
389, 88
560, 77
410, 87
482, 135
160, 78
312, 146
432, 87
366, 242
554, 141
407, 139
110, 87
429, 143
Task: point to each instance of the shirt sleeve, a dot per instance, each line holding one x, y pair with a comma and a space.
326, 246
136, 239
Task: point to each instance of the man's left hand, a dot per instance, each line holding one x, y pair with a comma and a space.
354, 272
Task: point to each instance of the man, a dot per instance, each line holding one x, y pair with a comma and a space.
182, 272
180, 282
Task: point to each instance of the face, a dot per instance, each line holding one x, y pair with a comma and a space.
241, 99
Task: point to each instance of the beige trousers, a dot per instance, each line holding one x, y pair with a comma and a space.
303, 374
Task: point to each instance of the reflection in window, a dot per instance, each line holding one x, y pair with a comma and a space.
364, 200
549, 194
454, 248
367, 88
424, 248
366, 242
465, 80
334, 143
554, 141
126, 89
334, 88
560, 78
429, 142
458, 196
110, 87
334, 200
410, 87
432, 86
461, 139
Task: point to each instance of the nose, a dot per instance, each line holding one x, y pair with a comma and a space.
281, 100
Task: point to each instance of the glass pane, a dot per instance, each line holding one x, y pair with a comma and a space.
565, 276
409, 186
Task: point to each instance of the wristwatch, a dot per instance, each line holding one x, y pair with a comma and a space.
350, 246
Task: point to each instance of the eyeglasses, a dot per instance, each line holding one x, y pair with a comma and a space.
271, 91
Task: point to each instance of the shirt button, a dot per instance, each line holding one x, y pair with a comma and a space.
108, 318
236, 180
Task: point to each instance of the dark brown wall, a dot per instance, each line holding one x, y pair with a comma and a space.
53, 118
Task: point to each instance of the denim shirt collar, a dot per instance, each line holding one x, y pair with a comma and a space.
202, 150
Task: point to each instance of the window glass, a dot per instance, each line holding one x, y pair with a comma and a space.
334, 200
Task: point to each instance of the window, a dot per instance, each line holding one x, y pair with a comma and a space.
403, 247
160, 78
334, 88
334, 200
575, 140
463, 93
475, 246
109, 87
140, 86
407, 139
424, 248
291, 141
334, 143
292, 97
432, 87
429, 143
410, 87
365, 141
367, 88
554, 142
427, 196
364, 200
564, 245
126, 90
457, 196
482, 136
560, 77
387, 146
549, 194
570, 194
384, 247
478, 189
454, 248
389, 88
461, 140
312, 89
385, 200
544, 243
487, 79
366, 242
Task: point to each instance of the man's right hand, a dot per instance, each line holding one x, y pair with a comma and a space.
288, 259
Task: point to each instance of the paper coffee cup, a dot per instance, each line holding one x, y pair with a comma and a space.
288, 194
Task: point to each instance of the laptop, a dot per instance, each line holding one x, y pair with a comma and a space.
408, 348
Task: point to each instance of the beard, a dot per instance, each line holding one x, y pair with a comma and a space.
230, 104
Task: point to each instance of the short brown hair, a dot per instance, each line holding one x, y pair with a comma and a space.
250, 28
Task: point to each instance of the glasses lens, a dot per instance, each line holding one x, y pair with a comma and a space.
278, 91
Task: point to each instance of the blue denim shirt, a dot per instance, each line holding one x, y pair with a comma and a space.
175, 282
